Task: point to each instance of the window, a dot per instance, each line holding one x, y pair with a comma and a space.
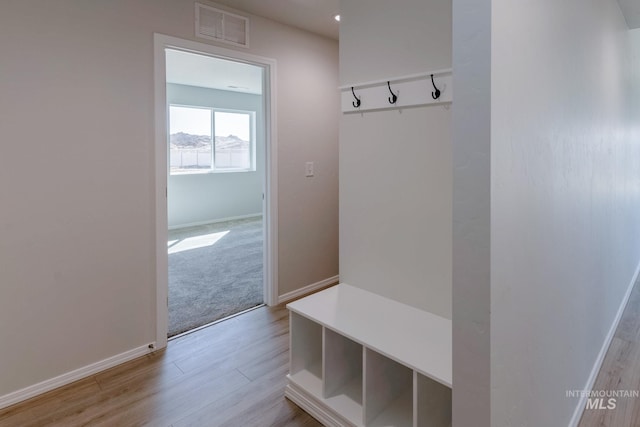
189, 139
233, 136
192, 149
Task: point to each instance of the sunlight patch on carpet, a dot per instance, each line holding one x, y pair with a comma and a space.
214, 271
197, 242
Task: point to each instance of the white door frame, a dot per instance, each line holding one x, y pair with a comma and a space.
270, 203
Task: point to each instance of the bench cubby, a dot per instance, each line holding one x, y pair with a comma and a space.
360, 359
306, 352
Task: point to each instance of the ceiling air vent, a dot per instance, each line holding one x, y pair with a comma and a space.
216, 24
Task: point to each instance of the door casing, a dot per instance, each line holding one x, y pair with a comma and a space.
270, 186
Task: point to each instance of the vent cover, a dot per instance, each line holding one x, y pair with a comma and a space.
216, 24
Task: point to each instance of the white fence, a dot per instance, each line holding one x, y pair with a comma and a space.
201, 159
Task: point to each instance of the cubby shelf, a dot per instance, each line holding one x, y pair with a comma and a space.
359, 359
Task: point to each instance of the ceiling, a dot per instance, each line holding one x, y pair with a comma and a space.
204, 71
312, 15
315, 16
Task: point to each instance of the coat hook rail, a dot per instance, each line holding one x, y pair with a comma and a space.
394, 97
436, 94
356, 103
417, 90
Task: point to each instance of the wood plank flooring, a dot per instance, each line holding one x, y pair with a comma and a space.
231, 374
620, 371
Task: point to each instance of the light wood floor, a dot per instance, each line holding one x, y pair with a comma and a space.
231, 374
620, 371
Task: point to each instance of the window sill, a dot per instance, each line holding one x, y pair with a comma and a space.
210, 172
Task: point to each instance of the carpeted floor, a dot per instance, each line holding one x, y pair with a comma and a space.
214, 271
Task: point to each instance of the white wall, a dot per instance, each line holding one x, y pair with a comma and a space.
395, 166
380, 39
77, 268
200, 198
565, 199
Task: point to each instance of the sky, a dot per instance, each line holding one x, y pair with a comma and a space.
197, 121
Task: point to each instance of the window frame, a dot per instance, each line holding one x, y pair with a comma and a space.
212, 112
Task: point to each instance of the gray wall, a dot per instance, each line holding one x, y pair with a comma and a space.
471, 139
546, 172
395, 166
77, 260
565, 205
200, 198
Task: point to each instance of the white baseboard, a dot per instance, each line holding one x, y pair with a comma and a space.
314, 407
290, 296
69, 377
577, 413
214, 221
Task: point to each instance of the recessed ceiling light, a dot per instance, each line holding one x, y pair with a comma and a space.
337, 18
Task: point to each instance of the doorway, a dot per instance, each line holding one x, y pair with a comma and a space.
214, 182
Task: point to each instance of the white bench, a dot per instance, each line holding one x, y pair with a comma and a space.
360, 359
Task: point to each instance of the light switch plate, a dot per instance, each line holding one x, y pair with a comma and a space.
308, 169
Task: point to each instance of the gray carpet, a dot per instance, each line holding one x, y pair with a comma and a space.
214, 271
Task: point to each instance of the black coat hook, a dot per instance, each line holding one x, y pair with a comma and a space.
393, 98
436, 94
356, 103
